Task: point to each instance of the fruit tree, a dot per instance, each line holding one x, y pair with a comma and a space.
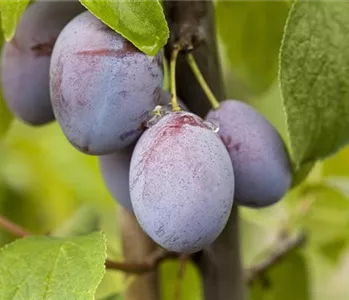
174, 150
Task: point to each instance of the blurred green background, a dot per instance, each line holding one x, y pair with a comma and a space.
44, 181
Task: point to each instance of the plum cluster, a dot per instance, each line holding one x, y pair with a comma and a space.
178, 173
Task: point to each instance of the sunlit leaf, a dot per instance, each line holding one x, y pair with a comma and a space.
10, 13
50, 268
142, 22
314, 64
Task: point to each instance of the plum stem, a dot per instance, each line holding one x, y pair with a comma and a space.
175, 106
200, 78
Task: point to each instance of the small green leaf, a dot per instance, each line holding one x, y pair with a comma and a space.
142, 22
11, 11
314, 66
50, 268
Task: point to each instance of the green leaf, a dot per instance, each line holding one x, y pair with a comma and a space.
142, 22
328, 218
11, 11
5, 115
85, 220
337, 165
286, 280
314, 66
251, 33
50, 268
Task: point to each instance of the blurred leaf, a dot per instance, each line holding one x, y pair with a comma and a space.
334, 249
142, 22
302, 173
270, 105
15, 206
328, 218
114, 297
337, 165
314, 63
254, 237
11, 206
85, 220
251, 32
113, 283
52, 174
339, 183
190, 284
11, 12
50, 268
286, 280
5, 115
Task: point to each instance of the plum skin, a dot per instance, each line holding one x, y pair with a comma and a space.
115, 169
261, 162
102, 87
25, 60
181, 183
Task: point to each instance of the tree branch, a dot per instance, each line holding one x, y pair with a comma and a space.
148, 265
151, 262
13, 228
282, 249
186, 21
192, 25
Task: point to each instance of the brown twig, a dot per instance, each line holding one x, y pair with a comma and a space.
285, 247
159, 255
13, 228
148, 265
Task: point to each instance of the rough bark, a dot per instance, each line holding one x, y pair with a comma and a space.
192, 25
136, 248
193, 21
